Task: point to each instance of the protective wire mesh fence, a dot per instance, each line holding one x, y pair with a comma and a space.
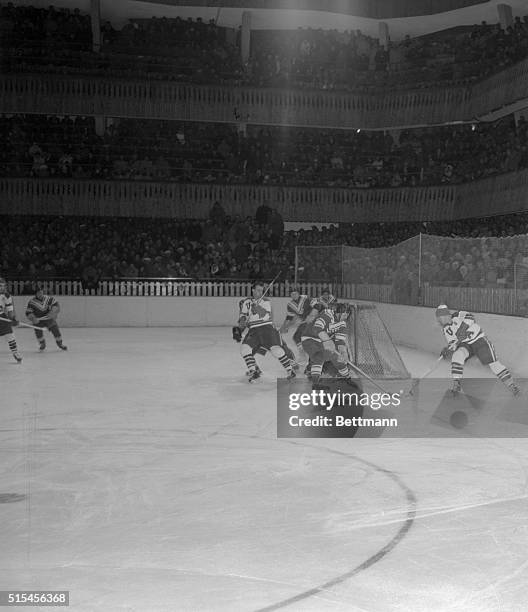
484, 274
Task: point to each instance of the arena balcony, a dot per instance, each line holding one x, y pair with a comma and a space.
501, 194
96, 96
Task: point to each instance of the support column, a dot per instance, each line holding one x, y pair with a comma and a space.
100, 125
95, 16
384, 39
505, 15
245, 37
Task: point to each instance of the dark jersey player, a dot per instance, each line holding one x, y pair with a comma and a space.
318, 343
299, 309
42, 311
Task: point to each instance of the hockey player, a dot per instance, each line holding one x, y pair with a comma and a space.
299, 309
7, 311
318, 344
42, 311
339, 334
465, 339
326, 298
256, 315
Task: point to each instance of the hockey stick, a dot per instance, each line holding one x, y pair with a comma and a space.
269, 286
429, 371
365, 375
22, 323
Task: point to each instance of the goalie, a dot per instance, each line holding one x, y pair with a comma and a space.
42, 310
466, 339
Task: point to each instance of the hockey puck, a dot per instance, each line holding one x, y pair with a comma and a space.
458, 419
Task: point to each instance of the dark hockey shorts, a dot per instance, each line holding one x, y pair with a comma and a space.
298, 333
264, 336
481, 348
5, 328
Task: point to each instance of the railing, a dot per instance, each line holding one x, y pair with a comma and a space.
502, 194
505, 301
50, 94
58, 94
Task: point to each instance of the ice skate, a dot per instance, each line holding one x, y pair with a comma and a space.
254, 375
455, 388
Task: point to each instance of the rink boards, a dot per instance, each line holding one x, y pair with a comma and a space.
409, 326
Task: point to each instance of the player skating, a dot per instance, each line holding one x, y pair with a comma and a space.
7, 311
465, 339
256, 316
42, 310
318, 343
239, 333
299, 309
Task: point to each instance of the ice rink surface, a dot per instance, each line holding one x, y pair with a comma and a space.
141, 472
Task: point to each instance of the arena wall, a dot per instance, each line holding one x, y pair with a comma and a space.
409, 326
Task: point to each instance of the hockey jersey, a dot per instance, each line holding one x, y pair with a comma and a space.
256, 313
6, 305
462, 329
301, 307
325, 321
41, 308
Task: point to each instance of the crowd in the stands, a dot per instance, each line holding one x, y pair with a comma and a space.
188, 50
470, 253
134, 149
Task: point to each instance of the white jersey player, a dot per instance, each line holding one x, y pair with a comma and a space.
465, 338
256, 315
7, 311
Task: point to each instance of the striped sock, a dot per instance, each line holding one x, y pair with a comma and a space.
12, 346
505, 376
285, 362
250, 362
457, 370
315, 372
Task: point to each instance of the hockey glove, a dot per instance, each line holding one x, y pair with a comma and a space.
237, 334
447, 352
14, 322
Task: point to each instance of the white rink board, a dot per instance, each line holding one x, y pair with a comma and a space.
408, 325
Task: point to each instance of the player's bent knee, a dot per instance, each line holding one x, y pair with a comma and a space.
245, 350
460, 356
496, 367
277, 351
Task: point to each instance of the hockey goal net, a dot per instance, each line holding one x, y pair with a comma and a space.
371, 346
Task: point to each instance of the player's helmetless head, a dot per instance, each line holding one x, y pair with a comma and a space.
294, 293
443, 315
258, 290
39, 291
327, 297
3, 285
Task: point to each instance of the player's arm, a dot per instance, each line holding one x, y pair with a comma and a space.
54, 310
321, 325
287, 322
31, 316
